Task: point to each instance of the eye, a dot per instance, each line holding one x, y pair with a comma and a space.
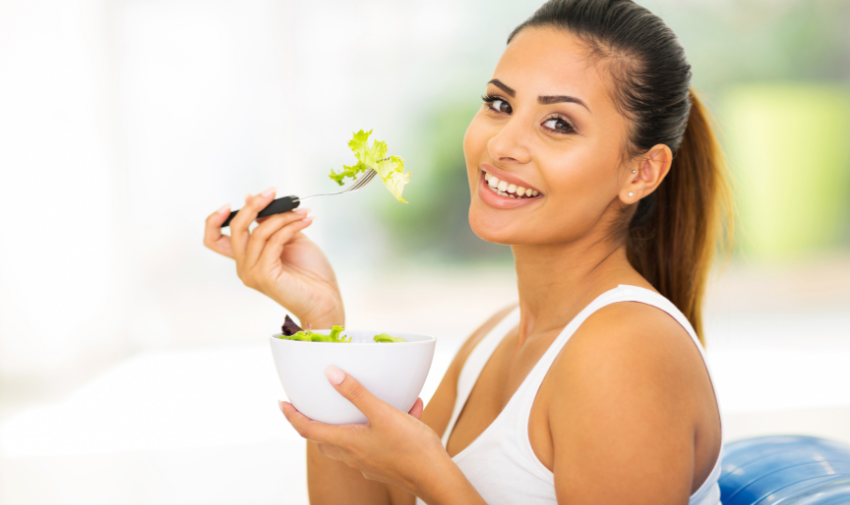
501, 106
497, 104
558, 124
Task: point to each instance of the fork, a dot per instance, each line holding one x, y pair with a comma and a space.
287, 203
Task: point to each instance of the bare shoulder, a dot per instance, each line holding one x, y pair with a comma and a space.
439, 409
479, 334
453, 372
634, 359
633, 338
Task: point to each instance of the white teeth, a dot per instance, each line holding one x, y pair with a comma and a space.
502, 188
500, 193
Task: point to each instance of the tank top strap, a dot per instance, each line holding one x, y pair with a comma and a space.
527, 391
475, 362
622, 293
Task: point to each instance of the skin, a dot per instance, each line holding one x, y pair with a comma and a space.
626, 414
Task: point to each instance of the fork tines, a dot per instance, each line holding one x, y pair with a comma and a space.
366, 179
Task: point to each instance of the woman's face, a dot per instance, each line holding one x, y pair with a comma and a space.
549, 125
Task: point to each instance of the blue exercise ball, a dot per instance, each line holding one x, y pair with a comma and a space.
832, 492
785, 470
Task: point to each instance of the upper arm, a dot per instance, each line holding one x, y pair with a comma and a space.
622, 422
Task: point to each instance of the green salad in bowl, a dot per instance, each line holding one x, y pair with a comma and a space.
291, 331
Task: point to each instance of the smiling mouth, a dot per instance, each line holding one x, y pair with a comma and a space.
503, 188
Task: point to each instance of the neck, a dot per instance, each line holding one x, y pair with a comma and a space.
556, 281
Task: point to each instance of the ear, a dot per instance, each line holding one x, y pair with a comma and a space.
644, 173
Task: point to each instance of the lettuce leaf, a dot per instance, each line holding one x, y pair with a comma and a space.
305, 336
390, 170
334, 336
309, 336
383, 337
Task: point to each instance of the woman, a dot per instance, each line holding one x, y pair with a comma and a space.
595, 162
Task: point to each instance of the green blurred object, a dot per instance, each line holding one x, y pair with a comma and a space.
789, 151
435, 226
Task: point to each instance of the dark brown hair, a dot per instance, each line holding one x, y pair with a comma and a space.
672, 235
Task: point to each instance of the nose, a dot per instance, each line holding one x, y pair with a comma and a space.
509, 144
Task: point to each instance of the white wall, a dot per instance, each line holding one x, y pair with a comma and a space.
123, 124
62, 259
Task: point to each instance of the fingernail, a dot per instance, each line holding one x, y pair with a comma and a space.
280, 405
224, 209
269, 192
334, 375
302, 210
307, 220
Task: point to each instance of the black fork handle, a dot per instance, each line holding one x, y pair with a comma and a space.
282, 204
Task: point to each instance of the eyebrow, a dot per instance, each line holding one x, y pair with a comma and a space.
542, 100
549, 100
504, 87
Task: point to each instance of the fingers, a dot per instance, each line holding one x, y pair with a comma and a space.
376, 477
353, 391
417, 409
274, 247
248, 199
239, 233
312, 430
213, 238
331, 451
257, 243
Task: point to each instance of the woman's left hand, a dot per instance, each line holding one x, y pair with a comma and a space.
394, 447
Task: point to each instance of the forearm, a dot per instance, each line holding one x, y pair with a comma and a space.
447, 485
332, 482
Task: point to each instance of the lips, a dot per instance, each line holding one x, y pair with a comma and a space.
490, 194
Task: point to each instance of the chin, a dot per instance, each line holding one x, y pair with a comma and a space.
489, 226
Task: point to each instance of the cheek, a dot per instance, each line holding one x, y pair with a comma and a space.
474, 144
581, 186
581, 176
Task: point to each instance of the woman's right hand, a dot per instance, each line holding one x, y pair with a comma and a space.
279, 261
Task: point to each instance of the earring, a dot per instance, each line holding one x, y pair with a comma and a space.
634, 171
631, 194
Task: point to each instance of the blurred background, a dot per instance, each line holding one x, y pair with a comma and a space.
133, 362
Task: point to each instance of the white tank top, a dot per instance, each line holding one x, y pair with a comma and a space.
500, 463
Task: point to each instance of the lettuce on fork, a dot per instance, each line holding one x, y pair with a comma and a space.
391, 171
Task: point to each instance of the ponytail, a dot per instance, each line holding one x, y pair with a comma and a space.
675, 232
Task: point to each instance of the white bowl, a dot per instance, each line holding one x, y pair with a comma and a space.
392, 371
